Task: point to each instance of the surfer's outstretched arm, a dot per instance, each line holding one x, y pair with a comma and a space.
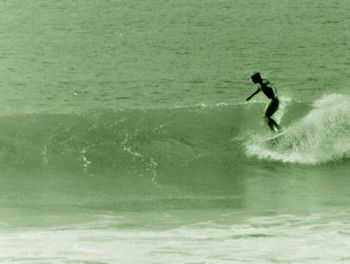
256, 92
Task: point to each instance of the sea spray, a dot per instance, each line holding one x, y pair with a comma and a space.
321, 136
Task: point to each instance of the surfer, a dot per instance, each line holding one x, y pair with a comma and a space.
271, 94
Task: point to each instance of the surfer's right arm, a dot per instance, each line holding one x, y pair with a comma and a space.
256, 92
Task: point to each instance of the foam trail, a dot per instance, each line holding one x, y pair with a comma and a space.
321, 136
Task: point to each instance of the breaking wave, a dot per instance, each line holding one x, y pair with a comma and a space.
164, 144
322, 135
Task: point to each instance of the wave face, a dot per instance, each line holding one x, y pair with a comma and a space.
321, 136
131, 142
160, 144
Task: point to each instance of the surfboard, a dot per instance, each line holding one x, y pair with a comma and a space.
273, 139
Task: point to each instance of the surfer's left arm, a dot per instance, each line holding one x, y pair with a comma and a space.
256, 92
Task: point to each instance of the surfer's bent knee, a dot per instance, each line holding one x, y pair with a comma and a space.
272, 107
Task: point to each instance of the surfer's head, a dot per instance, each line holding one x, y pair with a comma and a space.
256, 77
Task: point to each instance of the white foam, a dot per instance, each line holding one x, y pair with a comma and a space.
281, 238
321, 136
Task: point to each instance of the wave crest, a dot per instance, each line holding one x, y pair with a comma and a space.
322, 135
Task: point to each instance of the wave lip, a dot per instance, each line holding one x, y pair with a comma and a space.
321, 136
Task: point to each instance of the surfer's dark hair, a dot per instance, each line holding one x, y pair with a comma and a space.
256, 77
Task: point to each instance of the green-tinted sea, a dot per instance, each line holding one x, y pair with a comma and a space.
125, 136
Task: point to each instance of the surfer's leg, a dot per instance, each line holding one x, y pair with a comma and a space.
271, 109
271, 123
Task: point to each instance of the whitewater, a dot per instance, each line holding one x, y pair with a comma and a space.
322, 135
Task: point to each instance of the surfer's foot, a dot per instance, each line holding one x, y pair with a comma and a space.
271, 127
278, 128
272, 124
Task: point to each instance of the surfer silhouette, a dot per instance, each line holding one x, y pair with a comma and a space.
272, 95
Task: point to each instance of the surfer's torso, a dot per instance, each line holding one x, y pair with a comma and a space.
267, 90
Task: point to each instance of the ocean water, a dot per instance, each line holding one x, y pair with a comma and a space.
125, 136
